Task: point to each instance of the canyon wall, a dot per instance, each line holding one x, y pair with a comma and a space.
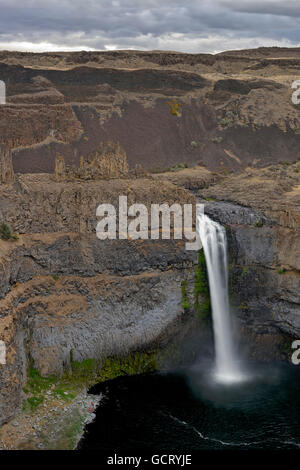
235, 109
65, 293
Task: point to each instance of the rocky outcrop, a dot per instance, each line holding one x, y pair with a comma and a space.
37, 204
7, 174
109, 161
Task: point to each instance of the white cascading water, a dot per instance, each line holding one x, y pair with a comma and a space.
214, 241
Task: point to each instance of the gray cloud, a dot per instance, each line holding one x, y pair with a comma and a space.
188, 26
267, 7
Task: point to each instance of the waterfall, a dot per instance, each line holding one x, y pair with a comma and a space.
214, 241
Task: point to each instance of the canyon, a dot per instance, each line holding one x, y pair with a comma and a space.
80, 129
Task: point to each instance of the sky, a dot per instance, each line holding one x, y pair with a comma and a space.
194, 26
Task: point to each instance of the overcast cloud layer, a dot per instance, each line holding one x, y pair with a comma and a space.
182, 25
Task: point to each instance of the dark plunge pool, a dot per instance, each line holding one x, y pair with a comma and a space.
188, 411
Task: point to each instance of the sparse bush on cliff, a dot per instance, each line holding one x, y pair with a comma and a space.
259, 223
244, 272
224, 122
281, 271
217, 139
6, 233
179, 166
227, 120
174, 107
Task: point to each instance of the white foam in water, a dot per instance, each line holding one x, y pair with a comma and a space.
214, 241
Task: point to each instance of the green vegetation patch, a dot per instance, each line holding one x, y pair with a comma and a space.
81, 375
6, 233
65, 387
32, 403
184, 300
259, 223
281, 271
201, 289
244, 272
133, 364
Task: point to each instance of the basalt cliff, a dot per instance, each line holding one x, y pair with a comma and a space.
228, 110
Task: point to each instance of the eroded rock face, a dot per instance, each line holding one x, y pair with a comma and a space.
63, 290
82, 99
38, 204
107, 302
7, 174
109, 161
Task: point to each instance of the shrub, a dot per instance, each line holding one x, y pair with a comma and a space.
217, 140
228, 119
224, 122
179, 166
6, 233
259, 223
281, 271
174, 107
244, 272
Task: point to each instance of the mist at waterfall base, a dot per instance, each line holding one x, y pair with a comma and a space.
218, 403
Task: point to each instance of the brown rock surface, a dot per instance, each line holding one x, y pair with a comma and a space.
235, 107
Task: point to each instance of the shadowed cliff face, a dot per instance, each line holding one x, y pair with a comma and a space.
57, 105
